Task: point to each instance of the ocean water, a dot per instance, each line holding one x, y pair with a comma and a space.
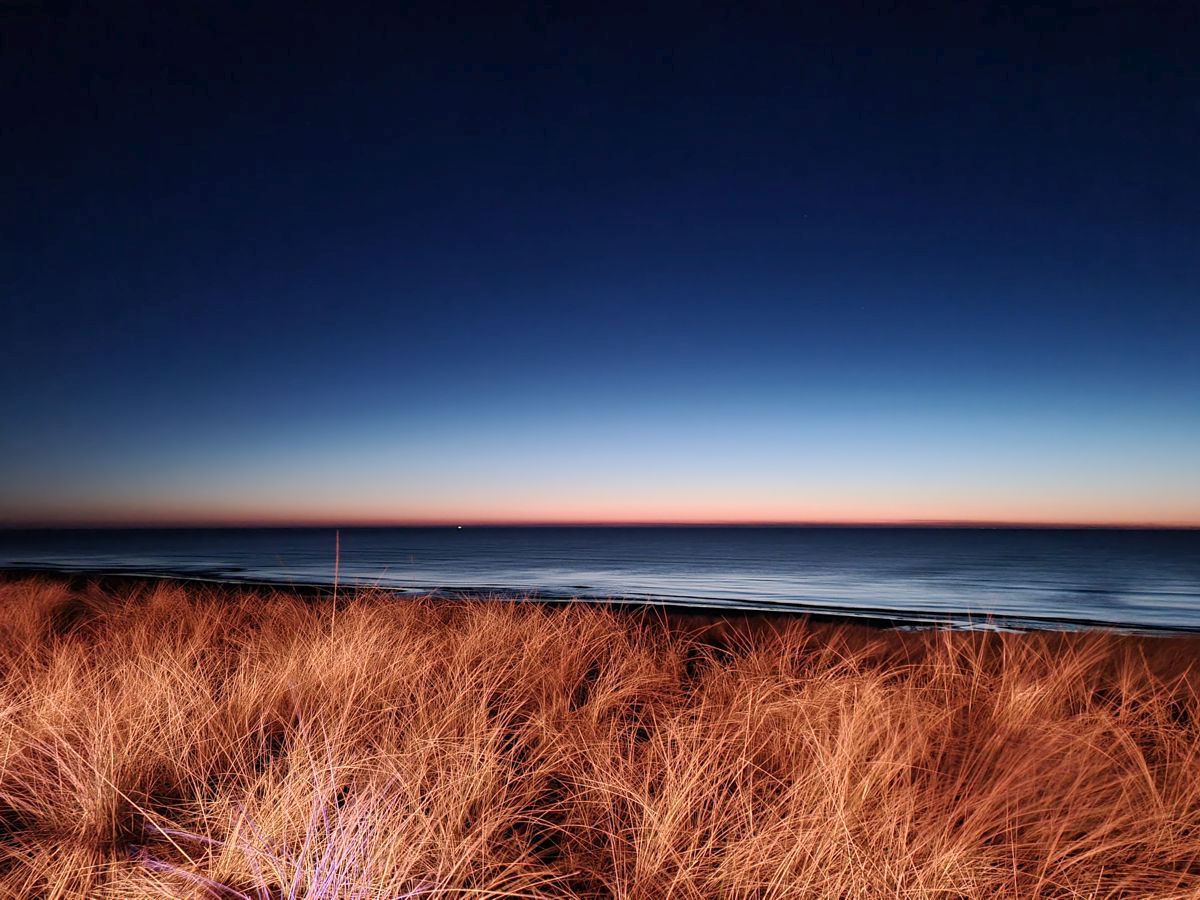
1139, 579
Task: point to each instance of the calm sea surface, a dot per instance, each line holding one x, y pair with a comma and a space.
1136, 579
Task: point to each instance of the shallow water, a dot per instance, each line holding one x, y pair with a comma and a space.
1141, 579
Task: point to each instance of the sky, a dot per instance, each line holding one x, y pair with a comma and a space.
834, 263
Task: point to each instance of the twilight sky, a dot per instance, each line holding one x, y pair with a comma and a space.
264, 264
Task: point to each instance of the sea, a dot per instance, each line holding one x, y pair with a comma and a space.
1142, 580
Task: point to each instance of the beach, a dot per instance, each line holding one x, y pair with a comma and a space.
167, 739
1137, 579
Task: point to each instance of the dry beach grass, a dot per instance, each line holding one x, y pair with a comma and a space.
172, 741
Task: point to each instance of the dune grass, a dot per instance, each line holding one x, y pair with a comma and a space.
168, 741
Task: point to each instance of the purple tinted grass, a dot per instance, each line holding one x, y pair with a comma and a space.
216, 889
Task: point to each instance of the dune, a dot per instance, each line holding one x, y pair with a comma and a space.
160, 739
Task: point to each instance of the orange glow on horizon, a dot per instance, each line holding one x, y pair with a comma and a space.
858, 504
217, 520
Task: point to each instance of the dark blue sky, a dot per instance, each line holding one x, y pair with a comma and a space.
266, 263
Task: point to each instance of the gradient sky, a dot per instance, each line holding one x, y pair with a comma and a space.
263, 264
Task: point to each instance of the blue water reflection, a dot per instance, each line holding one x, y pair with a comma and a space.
1139, 579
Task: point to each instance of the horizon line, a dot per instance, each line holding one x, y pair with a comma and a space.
148, 524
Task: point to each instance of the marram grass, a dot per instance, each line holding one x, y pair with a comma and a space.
168, 741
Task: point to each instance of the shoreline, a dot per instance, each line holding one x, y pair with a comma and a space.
872, 617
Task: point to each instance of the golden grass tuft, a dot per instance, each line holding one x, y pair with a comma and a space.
159, 740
